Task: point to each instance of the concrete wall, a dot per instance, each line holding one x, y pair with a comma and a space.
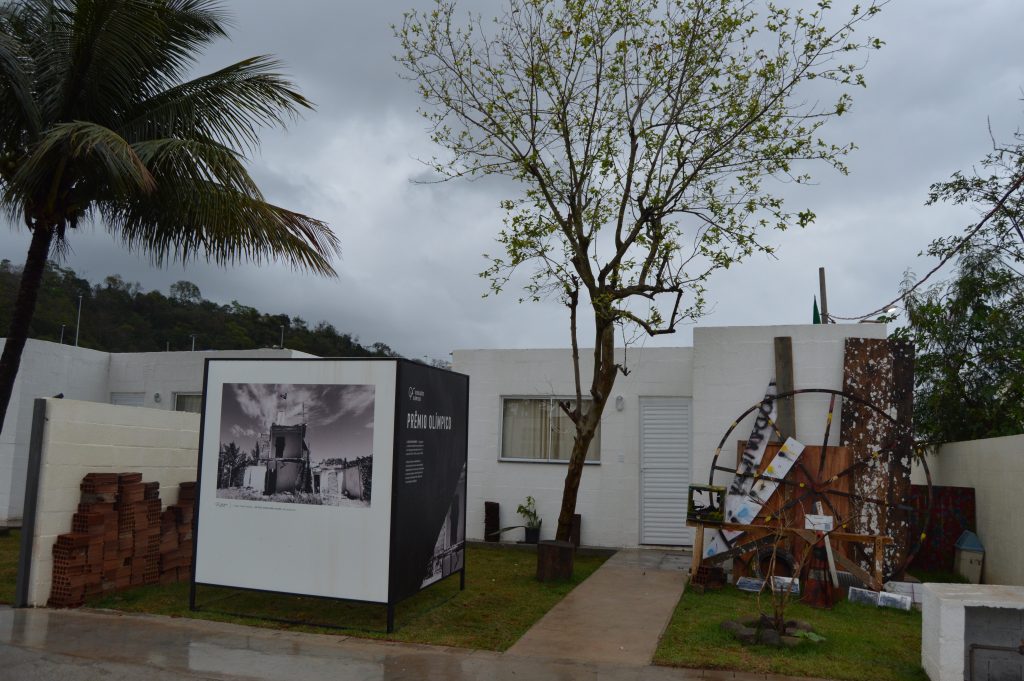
86, 437
46, 370
733, 365
168, 373
609, 491
82, 374
994, 467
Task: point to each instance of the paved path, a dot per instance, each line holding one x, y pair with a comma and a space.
49, 645
616, 616
604, 630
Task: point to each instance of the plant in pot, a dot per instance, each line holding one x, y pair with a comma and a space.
529, 512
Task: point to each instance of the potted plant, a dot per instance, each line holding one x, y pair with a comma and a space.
529, 512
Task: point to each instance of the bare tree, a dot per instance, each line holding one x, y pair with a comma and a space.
642, 133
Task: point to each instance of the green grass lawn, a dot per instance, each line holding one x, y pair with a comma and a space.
862, 642
501, 601
9, 548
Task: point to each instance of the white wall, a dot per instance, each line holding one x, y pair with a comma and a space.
46, 370
733, 365
726, 371
86, 437
167, 373
609, 492
994, 467
82, 374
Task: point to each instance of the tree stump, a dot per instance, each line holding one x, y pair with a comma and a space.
554, 560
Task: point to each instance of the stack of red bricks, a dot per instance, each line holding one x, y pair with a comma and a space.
118, 538
176, 536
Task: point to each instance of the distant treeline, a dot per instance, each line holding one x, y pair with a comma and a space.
118, 316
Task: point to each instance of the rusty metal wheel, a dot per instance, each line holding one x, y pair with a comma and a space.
824, 479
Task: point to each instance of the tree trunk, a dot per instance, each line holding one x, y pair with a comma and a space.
24, 308
600, 387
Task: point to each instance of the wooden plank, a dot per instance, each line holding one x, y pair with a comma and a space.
798, 531
786, 419
857, 571
698, 547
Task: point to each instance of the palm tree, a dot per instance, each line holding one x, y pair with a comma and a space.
97, 122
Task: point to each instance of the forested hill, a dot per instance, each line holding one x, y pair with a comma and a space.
118, 316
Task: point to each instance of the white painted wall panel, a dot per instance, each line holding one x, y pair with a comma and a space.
86, 437
47, 369
994, 467
609, 492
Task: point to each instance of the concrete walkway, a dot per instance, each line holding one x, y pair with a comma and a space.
605, 630
616, 616
69, 645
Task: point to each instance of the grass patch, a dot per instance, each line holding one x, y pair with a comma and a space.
501, 601
938, 576
861, 642
10, 547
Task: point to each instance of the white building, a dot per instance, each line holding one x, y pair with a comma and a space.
657, 435
158, 380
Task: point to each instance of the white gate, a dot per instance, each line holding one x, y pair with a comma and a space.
665, 462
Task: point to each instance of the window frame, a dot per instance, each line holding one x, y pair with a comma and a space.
185, 393
547, 398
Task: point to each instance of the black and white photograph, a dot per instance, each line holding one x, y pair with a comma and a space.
449, 549
297, 443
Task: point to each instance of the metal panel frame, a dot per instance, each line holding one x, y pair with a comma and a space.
28, 520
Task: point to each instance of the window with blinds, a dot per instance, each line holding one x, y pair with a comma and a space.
192, 402
536, 429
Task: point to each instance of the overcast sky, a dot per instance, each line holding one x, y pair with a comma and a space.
411, 253
339, 418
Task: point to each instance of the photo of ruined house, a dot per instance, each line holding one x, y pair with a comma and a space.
451, 540
296, 443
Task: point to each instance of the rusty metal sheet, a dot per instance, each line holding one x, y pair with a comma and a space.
881, 373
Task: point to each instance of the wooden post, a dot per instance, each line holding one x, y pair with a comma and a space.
698, 550
824, 298
786, 420
879, 560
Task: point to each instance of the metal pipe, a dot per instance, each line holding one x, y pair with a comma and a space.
78, 322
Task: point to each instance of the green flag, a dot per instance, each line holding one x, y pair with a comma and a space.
816, 316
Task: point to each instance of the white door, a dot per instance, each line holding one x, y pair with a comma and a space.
665, 460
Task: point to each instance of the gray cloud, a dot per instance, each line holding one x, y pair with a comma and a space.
411, 252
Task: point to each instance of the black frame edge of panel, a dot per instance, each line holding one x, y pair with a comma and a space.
199, 489
392, 537
465, 493
30, 505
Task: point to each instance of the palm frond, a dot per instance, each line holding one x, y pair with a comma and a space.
186, 219
229, 105
196, 160
125, 51
121, 136
75, 149
20, 109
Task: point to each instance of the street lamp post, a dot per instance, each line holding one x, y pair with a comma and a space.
282, 337
193, 342
78, 322
62, 334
